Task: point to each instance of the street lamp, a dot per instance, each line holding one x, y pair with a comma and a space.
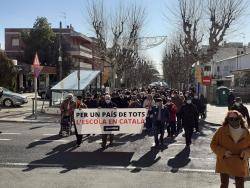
60, 65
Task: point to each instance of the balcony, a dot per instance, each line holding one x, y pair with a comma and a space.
79, 50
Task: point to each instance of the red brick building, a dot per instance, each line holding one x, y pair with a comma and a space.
79, 47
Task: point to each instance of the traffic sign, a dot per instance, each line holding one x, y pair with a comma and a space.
207, 80
36, 66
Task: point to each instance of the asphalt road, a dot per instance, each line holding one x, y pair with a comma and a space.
32, 155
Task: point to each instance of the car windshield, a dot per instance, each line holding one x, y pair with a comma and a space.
4, 89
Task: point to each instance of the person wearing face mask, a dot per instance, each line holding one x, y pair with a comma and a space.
231, 144
149, 103
241, 108
107, 104
178, 101
172, 118
196, 102
188, 114
160, 118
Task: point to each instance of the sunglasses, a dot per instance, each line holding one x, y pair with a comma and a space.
233, 118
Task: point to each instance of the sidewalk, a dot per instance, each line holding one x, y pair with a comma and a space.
24, 113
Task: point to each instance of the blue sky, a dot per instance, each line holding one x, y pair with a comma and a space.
22, 13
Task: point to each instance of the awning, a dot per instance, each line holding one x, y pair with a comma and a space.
70, 83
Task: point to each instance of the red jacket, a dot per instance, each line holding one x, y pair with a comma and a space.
172, 110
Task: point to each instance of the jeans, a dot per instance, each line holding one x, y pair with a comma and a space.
158, 129
224, 178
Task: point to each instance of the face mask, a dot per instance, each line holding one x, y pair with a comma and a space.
189, 101
237, 104
108, 101
234, 122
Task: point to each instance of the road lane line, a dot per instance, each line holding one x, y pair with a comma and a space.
130, 167
4, 139
11, 133
51, 140
50, 134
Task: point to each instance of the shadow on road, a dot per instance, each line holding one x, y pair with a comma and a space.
43, 140
65, 156
180, 160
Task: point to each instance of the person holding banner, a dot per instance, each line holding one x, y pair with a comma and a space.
160, 118
107, 104
79, 105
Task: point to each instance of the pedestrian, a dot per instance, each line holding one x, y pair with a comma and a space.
188, 114
149, 103
134, 103
230, 100
67, 114
231, 144
238, 105
178, 101
172, 118
107, 104
196, 102
160, 118
1, 94
79, 105
203, 103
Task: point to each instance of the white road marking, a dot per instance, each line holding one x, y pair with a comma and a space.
50, 134
51, 140
4, 139
109, 167
114, 142
11, 133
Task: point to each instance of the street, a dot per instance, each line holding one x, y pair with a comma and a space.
35, 152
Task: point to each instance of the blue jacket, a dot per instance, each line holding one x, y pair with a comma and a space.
164, 114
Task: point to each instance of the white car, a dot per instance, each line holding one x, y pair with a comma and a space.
10, 98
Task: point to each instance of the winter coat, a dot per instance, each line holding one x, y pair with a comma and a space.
172, 112
164, 114
65, 111
222, 142
189, 114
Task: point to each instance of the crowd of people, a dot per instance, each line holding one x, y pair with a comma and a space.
172, 110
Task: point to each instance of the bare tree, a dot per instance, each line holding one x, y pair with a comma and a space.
222, 14
119, 48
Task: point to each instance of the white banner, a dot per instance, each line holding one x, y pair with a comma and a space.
110, 120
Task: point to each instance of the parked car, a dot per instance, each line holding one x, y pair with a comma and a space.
10, 98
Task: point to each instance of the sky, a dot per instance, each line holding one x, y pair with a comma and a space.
22, 14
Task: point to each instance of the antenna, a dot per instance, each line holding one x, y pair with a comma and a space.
64, 16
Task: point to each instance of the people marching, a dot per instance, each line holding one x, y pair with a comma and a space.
169, 110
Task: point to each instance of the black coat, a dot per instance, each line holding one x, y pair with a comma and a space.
108, 105
189, 114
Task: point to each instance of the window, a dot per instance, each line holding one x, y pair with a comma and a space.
15, 42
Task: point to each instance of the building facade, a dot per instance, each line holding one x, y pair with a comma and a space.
78, 47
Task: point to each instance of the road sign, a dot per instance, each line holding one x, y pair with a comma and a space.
36, 66
207, 80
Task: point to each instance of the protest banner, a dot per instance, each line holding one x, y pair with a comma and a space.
110, 120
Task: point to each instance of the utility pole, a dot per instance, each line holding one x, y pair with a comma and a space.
60, 52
